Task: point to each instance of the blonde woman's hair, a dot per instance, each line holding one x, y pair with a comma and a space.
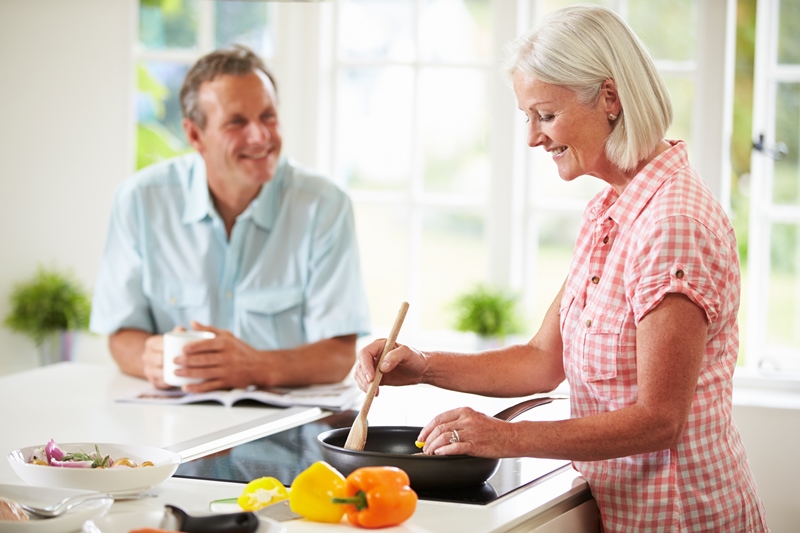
580, 47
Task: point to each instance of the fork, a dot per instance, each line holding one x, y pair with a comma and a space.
357, 437
58, 509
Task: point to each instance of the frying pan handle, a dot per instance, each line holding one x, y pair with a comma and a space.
516, 410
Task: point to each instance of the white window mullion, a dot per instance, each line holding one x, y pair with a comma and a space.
712, 125
760, 185
506, 205
415, 187
205, 30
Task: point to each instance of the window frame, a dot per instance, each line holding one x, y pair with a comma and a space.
764, 213
508, 214
305, 61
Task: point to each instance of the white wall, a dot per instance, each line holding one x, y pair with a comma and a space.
771, 435
64, 142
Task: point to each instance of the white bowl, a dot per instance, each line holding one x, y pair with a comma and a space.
110, 480
44, 496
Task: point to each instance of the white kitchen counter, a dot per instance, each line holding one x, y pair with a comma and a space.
74, 402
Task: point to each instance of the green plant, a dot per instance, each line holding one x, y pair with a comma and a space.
50, 301
488, 312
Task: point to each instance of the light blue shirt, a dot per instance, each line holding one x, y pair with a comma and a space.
289, 275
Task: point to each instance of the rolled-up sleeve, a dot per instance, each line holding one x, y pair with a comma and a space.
679, 255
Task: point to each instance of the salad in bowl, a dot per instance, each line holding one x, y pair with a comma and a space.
103, 467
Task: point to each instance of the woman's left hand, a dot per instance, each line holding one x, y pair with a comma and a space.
464, 431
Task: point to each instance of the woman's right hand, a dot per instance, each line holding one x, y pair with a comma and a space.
403, 365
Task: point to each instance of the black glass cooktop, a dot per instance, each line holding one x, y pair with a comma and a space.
284, 455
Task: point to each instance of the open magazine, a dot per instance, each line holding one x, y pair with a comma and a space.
334, 397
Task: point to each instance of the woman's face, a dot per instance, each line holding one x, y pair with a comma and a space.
573, 133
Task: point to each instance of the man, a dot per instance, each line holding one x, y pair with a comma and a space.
236, 240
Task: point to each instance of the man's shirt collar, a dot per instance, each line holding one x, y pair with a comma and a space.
263, 209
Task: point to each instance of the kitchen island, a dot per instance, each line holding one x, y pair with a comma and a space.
75, 402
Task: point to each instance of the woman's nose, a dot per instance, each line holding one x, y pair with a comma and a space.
535, 135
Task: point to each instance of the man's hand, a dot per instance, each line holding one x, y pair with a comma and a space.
153, 361
227, 362
224, 362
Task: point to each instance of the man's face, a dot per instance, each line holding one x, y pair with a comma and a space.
241, 142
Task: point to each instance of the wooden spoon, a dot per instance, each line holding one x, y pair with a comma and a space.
358, 433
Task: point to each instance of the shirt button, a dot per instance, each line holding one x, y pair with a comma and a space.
589, 323
595, 280
173, 300
605, 239
229, 295
679, 274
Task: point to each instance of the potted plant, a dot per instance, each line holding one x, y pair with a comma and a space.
489, 312
50, 308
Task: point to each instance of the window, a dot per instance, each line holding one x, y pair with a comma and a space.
427, 139
411, 142
402, 103
773, 321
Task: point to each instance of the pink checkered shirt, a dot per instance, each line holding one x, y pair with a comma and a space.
665, 234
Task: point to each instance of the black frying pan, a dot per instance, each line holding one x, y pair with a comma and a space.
394, 446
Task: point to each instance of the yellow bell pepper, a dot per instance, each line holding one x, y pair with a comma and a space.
312, 491
262, 492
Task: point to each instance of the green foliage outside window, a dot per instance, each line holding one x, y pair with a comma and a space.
154, 142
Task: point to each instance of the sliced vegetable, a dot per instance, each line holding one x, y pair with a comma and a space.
52, 451
262, 492
378, 496
52, 455
72, 464
419, 444
312, 491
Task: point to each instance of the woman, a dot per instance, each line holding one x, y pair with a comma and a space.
644, 328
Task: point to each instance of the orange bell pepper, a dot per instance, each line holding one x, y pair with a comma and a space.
378, 496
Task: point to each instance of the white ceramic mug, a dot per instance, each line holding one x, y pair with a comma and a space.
174, 341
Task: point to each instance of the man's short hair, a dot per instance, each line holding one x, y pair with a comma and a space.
237, 60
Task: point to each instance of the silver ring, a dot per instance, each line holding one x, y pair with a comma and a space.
454, 438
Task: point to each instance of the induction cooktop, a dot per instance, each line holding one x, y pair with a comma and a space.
285, 454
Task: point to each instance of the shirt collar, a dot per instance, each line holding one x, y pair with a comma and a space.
263, 209
198, 199
627, 206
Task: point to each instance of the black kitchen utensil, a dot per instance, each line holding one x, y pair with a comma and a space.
394, 446
176, 519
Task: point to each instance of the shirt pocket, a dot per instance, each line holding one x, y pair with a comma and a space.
176, 304
601, 346
272, 318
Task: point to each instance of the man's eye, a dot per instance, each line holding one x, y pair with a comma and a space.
545, 118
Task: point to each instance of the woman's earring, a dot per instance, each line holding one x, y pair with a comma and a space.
612, 117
